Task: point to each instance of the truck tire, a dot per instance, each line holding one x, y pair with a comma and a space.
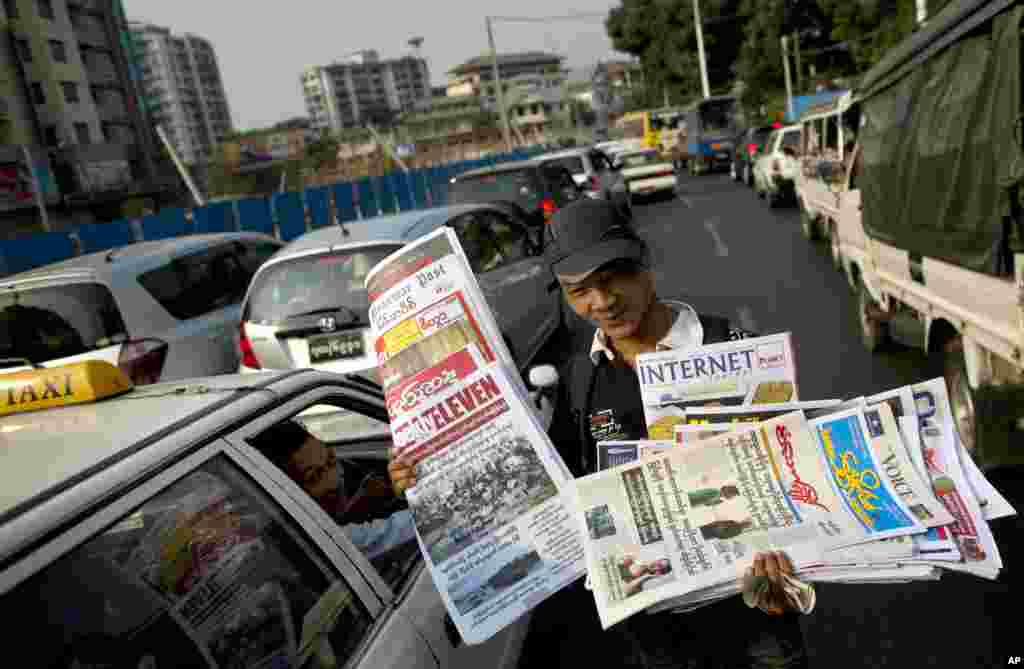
874, 334
961, 396
808, 225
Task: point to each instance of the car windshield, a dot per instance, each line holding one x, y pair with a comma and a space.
313, 284
44, 324
572, 163
515, 183
639, 159
791, 139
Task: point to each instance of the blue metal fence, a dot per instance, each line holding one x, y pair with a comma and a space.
363, 198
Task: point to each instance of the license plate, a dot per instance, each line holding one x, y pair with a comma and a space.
335, 347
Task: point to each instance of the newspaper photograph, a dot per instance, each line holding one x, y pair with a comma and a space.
491, 504
759, 370
425, 303
691, 518
939, 442
857, 475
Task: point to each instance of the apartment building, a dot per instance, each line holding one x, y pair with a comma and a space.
69, 95
476, 76
364, 89
184, 90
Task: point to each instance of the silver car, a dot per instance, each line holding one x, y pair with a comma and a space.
161, 310
307, 306
593, 172
165, 537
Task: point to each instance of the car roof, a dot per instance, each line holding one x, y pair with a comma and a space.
402, 227
136, 257
36, 457
503, 167
568, 153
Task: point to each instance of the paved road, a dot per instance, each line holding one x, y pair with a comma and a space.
724, 251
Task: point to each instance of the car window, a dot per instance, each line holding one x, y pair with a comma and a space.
253, 254
563, 187
347, 477
198, 283
517, 185
43, 324
208, 573
572, 163
312, 283
791, 139
598, 160
490, 240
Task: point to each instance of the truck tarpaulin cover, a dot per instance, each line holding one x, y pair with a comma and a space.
941, 150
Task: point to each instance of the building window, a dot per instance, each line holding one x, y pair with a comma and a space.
11, 7
50, 135
70, 91
82, 133
46, 9
24, 50
38, 96
58, 51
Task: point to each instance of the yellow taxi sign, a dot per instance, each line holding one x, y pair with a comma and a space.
51, 387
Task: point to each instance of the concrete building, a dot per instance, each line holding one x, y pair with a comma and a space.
184, 89
70, 92
364, 89
475, 76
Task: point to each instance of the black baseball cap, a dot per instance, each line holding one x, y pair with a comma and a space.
588, 234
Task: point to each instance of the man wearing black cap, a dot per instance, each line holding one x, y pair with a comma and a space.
603, 269
604, 272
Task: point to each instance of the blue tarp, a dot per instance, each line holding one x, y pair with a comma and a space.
385, 194
319, 207
802, 102
216, 217
254, 215
367, 198
402, 188
167, 224
344, 202
41, 248
291, 219
102, 236
419, 188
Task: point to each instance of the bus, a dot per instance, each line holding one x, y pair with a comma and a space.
712, 125
654, 128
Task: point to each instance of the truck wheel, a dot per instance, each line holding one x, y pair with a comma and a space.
961, 397
873, 332
808, 225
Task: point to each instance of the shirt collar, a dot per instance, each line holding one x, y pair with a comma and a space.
686, 332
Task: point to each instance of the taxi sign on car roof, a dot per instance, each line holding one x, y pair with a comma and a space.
60, 386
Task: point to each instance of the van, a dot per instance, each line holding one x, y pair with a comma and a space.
931, 230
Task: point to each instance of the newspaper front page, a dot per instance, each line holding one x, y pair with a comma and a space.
490, 501
723, 419
691, 518
980, 555
759, 370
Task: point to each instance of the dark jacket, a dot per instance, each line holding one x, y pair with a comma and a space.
569, 431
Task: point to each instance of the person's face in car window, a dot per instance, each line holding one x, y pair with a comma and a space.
315, 468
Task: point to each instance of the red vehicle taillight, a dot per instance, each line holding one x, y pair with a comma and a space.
245, 351
142, 360
549, 207
751, 149
594, 183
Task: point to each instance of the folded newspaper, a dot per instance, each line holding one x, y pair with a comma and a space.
759, 370
492, 502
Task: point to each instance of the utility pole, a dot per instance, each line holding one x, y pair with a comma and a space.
186, 177
700, 50
497, 86
922, 12
789, 83
796, 62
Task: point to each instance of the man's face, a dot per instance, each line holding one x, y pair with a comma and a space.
315, 468
615, 299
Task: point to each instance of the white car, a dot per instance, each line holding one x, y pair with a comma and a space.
646, 173
144, 529
777, 166
161, 310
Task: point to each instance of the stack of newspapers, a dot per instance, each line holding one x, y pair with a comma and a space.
493, 502
858, 490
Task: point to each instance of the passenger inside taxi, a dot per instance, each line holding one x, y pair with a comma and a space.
360, 500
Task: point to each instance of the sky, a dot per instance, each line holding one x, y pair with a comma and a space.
262, 48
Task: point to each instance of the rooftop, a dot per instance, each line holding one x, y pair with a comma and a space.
508, 59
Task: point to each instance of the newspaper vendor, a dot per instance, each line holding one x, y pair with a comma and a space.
604, 271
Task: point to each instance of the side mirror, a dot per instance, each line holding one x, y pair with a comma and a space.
543, 377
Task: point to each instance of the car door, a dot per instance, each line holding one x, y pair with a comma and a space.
205, 563
354, 426
512, 274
